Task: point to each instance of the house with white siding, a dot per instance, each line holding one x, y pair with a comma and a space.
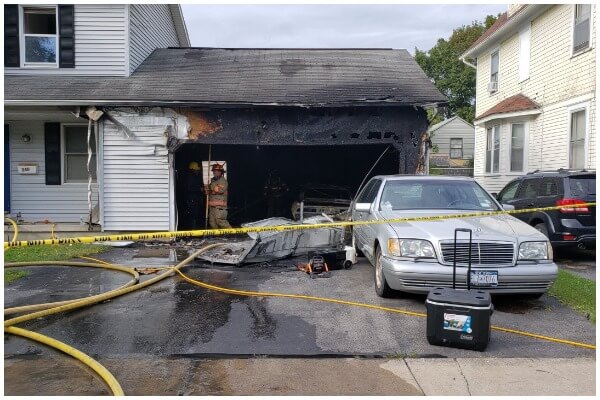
46, 146
106, 106
536, 92
453, 142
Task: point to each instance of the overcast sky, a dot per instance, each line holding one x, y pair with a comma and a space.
391, 26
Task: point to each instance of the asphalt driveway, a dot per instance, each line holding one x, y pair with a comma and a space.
175, 318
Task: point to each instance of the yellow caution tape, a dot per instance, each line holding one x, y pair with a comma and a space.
278, 228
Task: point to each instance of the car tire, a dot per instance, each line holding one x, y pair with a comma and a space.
542, 228
381, 287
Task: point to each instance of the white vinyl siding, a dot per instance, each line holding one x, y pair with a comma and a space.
524, 52
135, 174
456, 128
29, 194
558, 81
151, 26
100, 43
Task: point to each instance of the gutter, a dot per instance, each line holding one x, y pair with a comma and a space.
505, 115
187, 103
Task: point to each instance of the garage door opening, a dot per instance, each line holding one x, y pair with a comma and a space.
265, 181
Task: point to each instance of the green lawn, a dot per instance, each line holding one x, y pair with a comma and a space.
56, 252
576, 292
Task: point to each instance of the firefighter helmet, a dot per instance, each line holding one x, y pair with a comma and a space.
217, 167
194, 166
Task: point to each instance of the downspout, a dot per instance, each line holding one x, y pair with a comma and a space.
93, 116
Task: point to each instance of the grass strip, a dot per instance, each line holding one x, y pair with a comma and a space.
56, 252
577, 292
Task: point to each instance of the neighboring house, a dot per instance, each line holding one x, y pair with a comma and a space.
321, 115
536, 92
453, 143
45, 143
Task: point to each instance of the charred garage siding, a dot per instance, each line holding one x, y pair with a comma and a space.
310, 116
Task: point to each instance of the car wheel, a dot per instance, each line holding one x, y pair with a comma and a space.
542, 228
381, 286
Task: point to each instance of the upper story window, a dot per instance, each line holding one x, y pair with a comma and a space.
495, 62
581, 27
39, 42
456, 148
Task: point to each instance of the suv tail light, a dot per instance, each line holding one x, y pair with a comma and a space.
572, 209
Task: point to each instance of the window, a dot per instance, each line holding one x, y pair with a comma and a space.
581, 27
509, 192
550, 187
524, 50
456, 148
492, 151
577, 140
517, 147
40, 40
495, 60
529, 189
76, 154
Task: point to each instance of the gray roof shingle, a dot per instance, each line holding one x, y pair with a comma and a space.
306, 77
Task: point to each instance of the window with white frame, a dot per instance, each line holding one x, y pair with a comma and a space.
495, 63
39, 42
492, 150
517, 148
577, 139
581, 27
76, 154
456, 148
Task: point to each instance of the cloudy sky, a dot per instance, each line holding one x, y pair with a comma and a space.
353, 25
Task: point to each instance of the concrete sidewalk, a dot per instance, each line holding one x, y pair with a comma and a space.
306, 376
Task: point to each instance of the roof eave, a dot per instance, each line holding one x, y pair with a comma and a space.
180, 27
513, 114
529, 12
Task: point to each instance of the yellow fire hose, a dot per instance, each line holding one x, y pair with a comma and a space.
109, 378
15, 228
106, 376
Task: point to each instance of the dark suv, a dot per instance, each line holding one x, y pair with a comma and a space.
566, 227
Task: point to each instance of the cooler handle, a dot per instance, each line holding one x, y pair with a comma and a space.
470, 232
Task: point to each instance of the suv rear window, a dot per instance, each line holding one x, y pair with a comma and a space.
582, 185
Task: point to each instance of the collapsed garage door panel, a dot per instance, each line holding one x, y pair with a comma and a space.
249, 168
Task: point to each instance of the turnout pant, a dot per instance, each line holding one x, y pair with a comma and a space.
217, 218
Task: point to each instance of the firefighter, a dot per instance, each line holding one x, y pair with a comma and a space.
275, 190
194, 187
217, 199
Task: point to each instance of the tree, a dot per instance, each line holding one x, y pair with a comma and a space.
449, 74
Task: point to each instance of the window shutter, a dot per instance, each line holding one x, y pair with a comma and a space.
52, 153
11, 35
66, 41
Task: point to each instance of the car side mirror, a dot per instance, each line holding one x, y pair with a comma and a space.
362, 206
508, 207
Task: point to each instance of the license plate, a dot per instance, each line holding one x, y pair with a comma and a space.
484, 278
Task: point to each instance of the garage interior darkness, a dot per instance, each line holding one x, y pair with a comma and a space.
249, 166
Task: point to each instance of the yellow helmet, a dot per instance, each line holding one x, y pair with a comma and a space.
194, 165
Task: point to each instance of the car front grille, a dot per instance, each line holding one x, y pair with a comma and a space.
482, 253
460, 284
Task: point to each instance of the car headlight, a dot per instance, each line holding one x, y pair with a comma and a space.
411, 248
535, 251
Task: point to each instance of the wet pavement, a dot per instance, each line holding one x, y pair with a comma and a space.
579, 262
175, 319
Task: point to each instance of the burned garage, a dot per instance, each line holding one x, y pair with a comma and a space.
287, 124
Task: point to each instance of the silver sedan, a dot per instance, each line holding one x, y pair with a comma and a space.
507, 255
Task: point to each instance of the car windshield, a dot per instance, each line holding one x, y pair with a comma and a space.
435, 194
